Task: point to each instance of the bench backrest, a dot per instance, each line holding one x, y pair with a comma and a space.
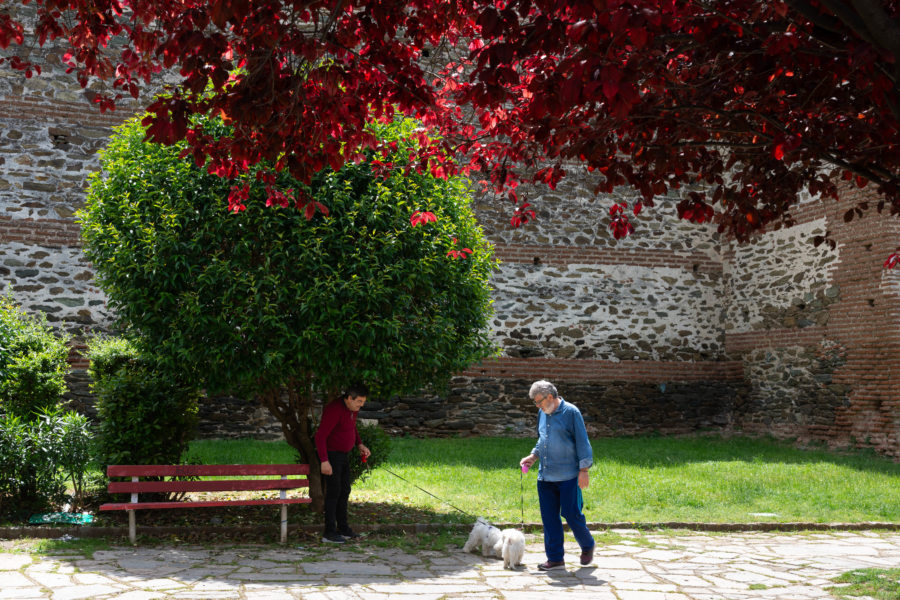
216, 485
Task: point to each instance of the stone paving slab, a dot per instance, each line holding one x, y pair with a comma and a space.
641, 566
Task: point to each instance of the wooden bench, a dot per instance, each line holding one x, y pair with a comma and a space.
136, 486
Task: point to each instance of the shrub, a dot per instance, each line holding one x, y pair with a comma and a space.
146, 415
36, 458
73, 440
379, 442
32, 362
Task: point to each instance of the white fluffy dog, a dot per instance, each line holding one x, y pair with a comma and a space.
513, 548
487, 536
508, 544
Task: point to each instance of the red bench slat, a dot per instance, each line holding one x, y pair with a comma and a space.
209, 503
204, 470
219, 485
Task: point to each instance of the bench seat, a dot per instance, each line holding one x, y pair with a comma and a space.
290, 476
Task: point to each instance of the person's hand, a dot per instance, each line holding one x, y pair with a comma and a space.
326, 468
583, 479
528, 461
363, 451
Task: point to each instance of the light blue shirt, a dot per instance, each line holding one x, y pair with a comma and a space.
563, 446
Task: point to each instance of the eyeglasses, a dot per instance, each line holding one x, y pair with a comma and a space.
538, 400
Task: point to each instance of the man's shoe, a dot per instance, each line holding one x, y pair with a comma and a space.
333, 538
349, 534
587, 556
550, 565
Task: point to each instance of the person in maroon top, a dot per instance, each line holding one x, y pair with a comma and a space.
335, 439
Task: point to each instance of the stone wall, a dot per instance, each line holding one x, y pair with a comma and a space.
817, 330
671, 330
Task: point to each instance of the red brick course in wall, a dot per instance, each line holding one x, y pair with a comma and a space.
54, 233
740, 342
573, 370
35, 108
568, 255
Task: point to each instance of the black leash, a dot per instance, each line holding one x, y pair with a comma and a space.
417, 487
424, 490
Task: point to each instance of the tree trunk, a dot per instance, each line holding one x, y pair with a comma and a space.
292, 406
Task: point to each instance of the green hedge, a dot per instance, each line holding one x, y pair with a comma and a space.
146, 415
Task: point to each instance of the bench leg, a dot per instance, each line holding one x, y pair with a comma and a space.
132, 527
284, 523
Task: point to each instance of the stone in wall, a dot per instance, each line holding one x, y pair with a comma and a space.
619, 408
607, 312
45, 167
223, 416
78, 396
781, 280
55, 281
572, 215
487, 406
793, 390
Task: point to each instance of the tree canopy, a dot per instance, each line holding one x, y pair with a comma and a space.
388, 285
369, 290
746, 104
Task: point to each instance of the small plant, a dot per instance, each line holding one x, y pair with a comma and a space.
73, 435
36, 458
32, 362
378, 442
83, 546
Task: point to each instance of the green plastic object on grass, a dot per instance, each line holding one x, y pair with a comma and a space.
62, 517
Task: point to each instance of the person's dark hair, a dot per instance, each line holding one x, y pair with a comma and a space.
354, 390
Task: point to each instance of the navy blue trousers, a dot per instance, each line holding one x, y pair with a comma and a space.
562, 498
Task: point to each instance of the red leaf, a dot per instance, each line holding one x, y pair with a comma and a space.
420, 217
892, 261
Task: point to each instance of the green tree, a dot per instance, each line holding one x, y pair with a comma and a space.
289, 304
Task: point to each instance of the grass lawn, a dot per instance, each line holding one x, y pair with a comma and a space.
649, 479
877, 584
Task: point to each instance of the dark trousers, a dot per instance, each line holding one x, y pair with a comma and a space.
562, 498
337, 492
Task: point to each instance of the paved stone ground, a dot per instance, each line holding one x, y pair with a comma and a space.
629, 566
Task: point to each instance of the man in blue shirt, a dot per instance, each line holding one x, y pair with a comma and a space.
565, 454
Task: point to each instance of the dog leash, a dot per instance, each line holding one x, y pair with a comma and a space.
522, 493
422, 489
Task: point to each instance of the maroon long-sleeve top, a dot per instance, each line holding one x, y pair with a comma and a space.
337, 431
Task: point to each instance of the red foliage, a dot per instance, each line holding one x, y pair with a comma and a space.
745, 103
420, 217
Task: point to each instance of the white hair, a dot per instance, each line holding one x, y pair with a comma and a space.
542, 387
